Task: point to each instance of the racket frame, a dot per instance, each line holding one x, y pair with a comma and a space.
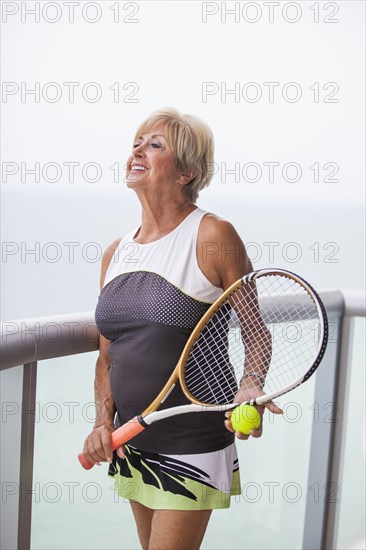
251, 277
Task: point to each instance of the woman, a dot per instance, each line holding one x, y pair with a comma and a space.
156, 283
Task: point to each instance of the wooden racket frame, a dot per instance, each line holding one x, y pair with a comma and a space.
250, 277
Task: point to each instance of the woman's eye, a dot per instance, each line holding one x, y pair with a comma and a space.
152, 144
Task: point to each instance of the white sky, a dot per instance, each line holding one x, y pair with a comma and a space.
170, 56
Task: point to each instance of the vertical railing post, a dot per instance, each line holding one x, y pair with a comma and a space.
330, 532
322, 441
26, 455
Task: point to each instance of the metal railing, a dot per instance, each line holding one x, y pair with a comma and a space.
24, 342
27, 341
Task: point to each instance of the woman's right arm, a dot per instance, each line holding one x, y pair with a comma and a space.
97, 446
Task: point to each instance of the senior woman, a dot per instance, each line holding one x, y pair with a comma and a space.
156, 283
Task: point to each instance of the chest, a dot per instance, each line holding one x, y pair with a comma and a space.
149, 297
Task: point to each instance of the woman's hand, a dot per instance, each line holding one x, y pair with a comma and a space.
245, 395
97, 446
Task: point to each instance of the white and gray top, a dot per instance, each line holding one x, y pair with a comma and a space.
153, 296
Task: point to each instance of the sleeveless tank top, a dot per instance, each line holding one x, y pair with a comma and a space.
153, 296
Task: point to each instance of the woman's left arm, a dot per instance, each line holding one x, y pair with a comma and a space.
223, 259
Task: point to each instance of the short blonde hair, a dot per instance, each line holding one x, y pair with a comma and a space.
192, 143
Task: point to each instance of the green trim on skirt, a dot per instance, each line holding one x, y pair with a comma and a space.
203, 481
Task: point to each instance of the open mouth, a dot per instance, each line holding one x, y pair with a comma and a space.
138, 168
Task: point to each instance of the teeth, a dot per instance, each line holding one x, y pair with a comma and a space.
138, 168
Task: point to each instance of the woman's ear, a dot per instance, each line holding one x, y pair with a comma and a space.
187, 178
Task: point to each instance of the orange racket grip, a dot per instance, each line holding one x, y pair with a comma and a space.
126, 432
84, 462
118, 438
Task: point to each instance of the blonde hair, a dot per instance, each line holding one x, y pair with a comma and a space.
192, 143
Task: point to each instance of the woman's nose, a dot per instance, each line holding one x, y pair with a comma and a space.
139, 150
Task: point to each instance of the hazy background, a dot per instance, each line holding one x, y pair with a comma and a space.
168, 54
296, 73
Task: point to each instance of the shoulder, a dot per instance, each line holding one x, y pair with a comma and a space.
214, 227
107, 257
221, 252
217, 235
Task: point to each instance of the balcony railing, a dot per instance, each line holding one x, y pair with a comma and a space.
27, 341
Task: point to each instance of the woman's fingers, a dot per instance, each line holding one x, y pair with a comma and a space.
106, 443
121, 451
90, 452
239, 435
272, 407
97, 446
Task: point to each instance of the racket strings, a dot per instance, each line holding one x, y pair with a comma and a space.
264, 334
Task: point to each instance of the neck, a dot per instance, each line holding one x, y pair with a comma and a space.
160, 217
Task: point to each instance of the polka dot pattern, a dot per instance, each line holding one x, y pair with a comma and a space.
146, 296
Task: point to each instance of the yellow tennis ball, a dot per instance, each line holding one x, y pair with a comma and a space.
245, 418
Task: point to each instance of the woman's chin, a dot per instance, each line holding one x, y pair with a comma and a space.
132, 181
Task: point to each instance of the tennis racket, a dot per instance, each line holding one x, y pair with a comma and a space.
266, 334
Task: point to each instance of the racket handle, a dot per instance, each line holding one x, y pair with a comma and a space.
84, 462
118, 438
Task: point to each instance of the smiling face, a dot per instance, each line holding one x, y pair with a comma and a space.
151, 165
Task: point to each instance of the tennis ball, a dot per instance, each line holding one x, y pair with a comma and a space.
245, 418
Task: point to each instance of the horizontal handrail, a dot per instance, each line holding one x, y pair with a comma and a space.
26, 340
355, 303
